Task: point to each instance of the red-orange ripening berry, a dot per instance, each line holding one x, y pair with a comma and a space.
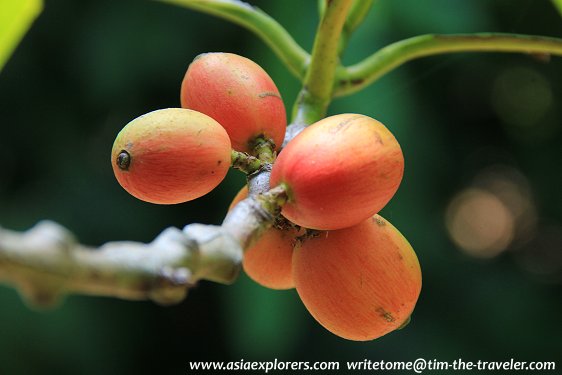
237, 93
269, 261
361, 282
171, 156
339, 172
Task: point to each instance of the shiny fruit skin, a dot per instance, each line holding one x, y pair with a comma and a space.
359, 283
339, 172
269, 261
237, 93
176, 155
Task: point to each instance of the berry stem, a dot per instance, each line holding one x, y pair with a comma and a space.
244, 162
264, 149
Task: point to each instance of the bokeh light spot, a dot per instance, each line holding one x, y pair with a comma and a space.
479, 223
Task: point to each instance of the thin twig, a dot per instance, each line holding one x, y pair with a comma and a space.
359, 76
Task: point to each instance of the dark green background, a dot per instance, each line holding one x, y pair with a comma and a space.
86, 68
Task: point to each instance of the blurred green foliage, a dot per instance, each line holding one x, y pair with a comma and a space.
15, 18
86, 68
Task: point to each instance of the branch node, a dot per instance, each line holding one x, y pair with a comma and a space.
173, 285
219, 254
49, 233
40, 296
245, 162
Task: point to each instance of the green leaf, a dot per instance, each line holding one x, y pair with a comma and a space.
15, 18
558, 5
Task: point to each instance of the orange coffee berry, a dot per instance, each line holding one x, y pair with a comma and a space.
171, 156
237, 93
359, 283
339, 171
269, 261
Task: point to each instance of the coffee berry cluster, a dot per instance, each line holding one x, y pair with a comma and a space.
354, 271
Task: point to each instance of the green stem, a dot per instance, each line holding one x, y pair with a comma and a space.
258, 22
358, 76
321, 8
357, 14
263, 149
316, 94
244, 162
